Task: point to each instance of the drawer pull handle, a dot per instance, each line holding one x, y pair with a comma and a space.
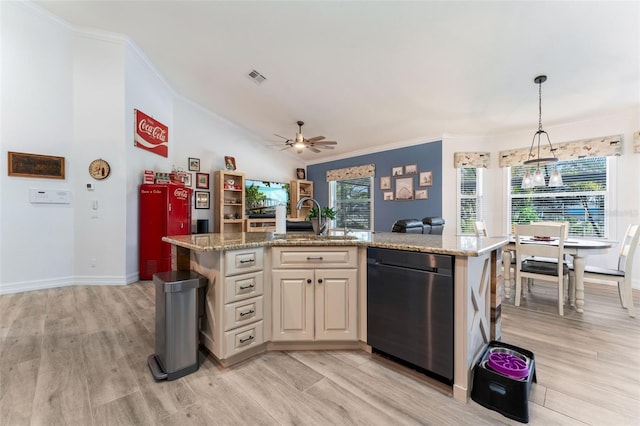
249, 312
247, 261
247, 339
314, 257
244, 287
309, 281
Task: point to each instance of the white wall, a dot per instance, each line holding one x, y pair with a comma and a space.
146, 91
36, 98
73, 94
624, 195
98, 93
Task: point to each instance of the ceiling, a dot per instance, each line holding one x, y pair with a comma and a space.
383, 73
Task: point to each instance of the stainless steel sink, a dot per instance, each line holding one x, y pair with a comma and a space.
337, 237
297, 237
314, 237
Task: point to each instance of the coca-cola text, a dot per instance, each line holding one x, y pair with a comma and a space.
155, 132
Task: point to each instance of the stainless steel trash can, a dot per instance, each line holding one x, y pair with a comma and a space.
179, 304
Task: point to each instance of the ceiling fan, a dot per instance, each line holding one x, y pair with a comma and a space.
300, 142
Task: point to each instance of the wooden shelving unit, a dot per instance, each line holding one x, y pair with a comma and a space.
261, 225
299, 189
228, 211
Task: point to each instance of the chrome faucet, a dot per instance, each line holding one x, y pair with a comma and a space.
345, 230
299, 206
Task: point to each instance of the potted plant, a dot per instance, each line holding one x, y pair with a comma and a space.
328, 213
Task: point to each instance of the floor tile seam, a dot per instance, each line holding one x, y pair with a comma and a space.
593, 401
95, 407
594, 404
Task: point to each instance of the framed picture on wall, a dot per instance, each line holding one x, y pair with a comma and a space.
422, 194
404, 189
202, 180
387, 196
411, 169
202, 199
194, 164
385, 182
35, 165
426, 179
397, 171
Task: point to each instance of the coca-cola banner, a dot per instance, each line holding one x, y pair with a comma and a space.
151, 134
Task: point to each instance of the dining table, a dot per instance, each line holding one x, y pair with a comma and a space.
578, 248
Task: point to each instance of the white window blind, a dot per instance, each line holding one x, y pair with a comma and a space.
470, 200
352, 199
582, 200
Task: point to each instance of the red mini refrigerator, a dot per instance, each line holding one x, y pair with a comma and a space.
164, 210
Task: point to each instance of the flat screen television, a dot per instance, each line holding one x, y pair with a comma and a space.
262, 197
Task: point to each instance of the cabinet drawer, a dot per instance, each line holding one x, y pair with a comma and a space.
316, 257
243, 286
241, 261
241, 339
243, 312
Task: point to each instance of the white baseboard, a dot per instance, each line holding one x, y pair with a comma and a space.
19, 287
23, 286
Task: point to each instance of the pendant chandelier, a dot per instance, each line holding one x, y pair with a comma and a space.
529, 181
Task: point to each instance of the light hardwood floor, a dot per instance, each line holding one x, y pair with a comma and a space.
77, 355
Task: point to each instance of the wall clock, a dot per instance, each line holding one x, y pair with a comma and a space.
99, 169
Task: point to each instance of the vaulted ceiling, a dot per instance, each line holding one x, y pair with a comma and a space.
378, 73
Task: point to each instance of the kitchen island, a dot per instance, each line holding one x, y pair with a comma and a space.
260, 294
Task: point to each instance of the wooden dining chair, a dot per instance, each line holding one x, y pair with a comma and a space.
528, 268
567, 259
621, 275
481, 229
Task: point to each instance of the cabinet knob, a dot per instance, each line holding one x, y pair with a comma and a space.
308, 280
319, 280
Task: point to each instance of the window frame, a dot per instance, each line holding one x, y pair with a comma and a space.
333, 202
478, 196
607, 194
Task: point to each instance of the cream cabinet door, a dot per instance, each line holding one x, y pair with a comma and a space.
293, 306
336, 304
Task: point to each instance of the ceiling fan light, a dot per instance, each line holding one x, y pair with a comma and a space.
299, 138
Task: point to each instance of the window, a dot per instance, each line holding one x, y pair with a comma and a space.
352, 200
582, 200
469, 199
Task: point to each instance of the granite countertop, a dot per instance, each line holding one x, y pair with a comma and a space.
453, 245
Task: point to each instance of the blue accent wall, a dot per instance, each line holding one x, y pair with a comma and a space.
427, 156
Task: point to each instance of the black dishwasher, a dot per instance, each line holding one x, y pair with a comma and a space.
410, 309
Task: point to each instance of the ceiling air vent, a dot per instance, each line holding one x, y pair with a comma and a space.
257, 77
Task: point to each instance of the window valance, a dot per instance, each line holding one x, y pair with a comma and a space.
477, 160
367, 170
605, 146
636, 142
